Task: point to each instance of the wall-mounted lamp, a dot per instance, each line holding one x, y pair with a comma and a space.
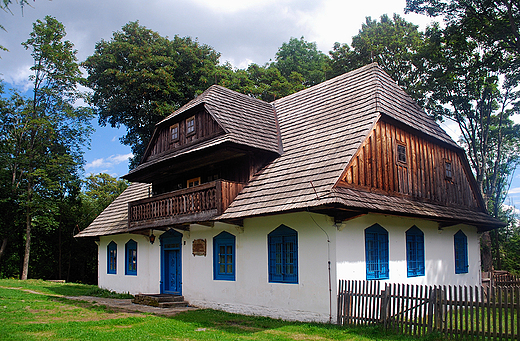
152, 238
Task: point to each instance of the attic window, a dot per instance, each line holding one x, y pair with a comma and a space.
174, 132
193, 182
190, 125
448, 168
401, 153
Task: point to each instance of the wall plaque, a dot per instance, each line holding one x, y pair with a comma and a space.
199, 247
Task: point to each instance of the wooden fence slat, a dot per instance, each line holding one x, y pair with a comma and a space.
517, 290
506, 315
490, 313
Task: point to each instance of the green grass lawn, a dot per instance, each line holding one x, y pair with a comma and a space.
37, 310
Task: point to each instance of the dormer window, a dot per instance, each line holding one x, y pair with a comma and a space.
193, 182
448, 168
190, 125
401, 153
174, 132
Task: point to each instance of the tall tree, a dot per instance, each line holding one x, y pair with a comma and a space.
492, 23
44, 134
467, 85
139, 77
302, 57
394, 44
99, 191
262, 82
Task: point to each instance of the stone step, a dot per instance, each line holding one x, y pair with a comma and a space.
173, 304
160, 300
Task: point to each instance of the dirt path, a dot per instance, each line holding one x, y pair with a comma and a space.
126, 305
120, 305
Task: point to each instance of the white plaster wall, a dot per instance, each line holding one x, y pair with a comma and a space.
251, 293
148, 265
309, 299
438, 245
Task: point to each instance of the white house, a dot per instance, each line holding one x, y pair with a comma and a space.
260, 208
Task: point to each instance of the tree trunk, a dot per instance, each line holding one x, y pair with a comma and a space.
3, 247
25, 269
28, 223
485, 252
59, 250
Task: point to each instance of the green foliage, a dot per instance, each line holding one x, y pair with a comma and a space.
301, 57
262, 82
491, 23
41, 153
394, 44
473, 76
99, 191
139, 77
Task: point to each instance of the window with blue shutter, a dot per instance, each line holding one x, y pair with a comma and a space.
415, 252
283, 255
112, 258
460, 242
376, 252
131, 258
224, 257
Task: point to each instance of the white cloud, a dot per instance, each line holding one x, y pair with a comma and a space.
516, 211
515, 190
108, 162
115, 139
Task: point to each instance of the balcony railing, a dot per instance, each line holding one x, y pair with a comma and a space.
196, 204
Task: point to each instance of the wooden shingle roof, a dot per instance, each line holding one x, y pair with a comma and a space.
322, 127
246, 120
316, 132
114, 219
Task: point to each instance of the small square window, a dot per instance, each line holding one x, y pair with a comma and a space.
448, 168
401, 153
190, 125
174, 132
193, 182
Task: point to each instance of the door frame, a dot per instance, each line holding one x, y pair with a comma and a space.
171, 237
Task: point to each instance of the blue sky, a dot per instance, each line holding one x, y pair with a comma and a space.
106, 153
243, 31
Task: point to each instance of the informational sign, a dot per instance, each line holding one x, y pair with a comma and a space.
199, 247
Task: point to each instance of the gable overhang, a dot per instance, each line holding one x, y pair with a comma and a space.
192, 157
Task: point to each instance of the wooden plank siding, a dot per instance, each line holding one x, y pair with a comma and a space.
376, 168
205, 127
190, 205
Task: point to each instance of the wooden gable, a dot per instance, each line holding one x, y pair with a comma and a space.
393, 160
195, 126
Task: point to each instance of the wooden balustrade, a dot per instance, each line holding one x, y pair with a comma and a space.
193, 204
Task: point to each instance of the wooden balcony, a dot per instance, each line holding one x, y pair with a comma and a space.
191, 205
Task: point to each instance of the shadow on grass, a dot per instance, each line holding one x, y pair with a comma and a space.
69, 289
241, 324
86, 290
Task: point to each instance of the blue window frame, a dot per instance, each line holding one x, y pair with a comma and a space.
460, 242
112, 258
376, 251
283, 255
415, 252
224, 257
131, 258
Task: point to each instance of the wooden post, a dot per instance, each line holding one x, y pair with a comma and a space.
384, 307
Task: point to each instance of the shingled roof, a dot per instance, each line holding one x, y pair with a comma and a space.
246, 120
322, 127
114, 219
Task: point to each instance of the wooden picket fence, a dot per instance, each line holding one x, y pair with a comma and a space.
455, 311
504, 278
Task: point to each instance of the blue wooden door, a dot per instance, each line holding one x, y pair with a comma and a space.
171, 274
